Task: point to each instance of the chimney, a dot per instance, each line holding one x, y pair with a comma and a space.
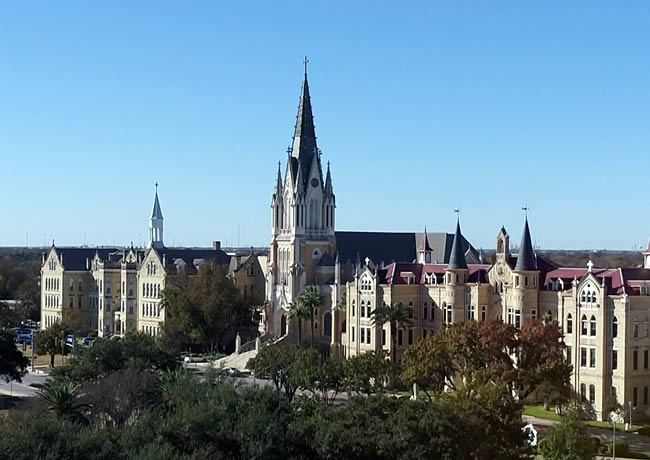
164, 260
42, 258
216, 245
87, 263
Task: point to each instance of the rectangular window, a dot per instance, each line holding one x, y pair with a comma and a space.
383, 337
634, 397
592, 394
592, 358
568, 354
583, 391
483, 313
635, 357
424, 333
614, 360
645, 359
534, 313
425, 311
353, 333
399, 337
368, 336
410, 336
362, 334
583, 357
518, 319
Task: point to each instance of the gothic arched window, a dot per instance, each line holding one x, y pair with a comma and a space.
583, 325
592, 323
569, 324
614, 327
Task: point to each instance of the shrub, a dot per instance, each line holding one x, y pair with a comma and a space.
644, 431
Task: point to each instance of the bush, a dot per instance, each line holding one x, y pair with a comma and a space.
644, 431
622, 448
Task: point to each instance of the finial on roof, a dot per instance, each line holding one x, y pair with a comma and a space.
305, 61
525, 209
590, 266
156, 186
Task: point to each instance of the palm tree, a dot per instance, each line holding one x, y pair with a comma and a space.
310, 297
298, 310
393, 314
64, 399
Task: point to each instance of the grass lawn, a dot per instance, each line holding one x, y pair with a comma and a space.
539, 412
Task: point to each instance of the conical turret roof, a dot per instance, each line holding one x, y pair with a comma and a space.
457, 259
156, 212
526, 259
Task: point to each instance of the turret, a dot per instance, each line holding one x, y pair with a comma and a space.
525, 281
455, 278
424, 251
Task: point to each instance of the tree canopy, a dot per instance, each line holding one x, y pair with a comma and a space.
13, 364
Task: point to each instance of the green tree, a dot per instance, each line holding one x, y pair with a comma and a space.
366, 373
429, 363
395, 315
206, 309
65, 400
13, 364
311, 298
282, 364
48, 342
299, 311
568, 440
9, 317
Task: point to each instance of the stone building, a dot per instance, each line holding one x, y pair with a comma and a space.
114, 290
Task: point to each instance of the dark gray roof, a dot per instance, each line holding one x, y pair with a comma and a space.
395, 247
326, 260
75, 258
526, 260
457, 259
189, 258
156, 213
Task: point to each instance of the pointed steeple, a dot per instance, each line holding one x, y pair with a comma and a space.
156, 224
526, 259
278, 184
457, 259
424, 245
328, 181
156, 213
304, 137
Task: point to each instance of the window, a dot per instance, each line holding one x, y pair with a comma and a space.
399, 337
362, 335
327, 324
569, 324
583, 357
362, 311
483, 313
614, 327
410, 309
614, 360
411, 336
592, 394
592, 358
353, 305
517, 319
525, 281
448, 313
352, 333
383, 337
368, 336
470, 312
568, 354
592, 324
425, 311
583, 391
583, 325
636, 329
635, 356
533, 313
634, 397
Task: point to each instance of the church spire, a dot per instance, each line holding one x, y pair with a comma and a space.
526, 260
304, 137
328, 181
156, 224
457, 259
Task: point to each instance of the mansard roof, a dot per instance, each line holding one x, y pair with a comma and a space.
75, 258
390, 247
189, 259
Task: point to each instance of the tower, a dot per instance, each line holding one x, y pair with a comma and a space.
156, 224
525, 282
303, 217
455, 279
424, 251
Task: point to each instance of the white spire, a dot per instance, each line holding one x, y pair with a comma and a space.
156, 224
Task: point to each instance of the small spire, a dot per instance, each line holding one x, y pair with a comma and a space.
424, 245
156, 212
305, 61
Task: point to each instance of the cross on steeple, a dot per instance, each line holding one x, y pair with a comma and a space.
526, 208
305, 61
457, 211
156, 186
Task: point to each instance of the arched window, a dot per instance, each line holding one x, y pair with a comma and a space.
583, 297
362, 309
471, 312
593, 296
614, 327
327, 324
283, 325
353, 307
583, 325
592, 324
569, 324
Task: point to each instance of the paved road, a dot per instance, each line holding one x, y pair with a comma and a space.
636, 442
23, 389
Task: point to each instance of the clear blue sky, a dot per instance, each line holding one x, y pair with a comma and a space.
420, 108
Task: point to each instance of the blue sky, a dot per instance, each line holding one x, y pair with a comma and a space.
420, 107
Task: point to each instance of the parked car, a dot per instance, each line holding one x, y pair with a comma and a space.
87, 341
69, 341
25, 336
29, 324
